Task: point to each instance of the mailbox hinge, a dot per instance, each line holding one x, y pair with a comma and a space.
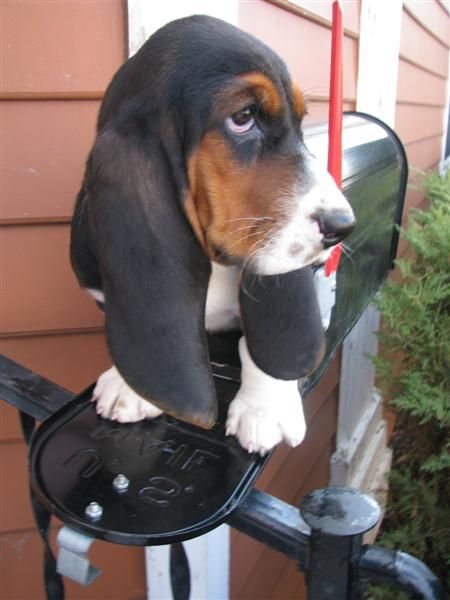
73, 561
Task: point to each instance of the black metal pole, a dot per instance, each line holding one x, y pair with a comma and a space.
338, 518
381, 565
273, 523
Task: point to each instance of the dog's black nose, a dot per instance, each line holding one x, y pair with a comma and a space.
335, 227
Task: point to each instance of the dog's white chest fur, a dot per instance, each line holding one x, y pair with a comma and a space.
222, 300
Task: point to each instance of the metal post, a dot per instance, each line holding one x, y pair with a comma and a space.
400, 570
338, 518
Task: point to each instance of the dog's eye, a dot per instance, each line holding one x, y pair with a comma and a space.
241, 121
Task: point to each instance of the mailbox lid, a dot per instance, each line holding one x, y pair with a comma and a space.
374, 177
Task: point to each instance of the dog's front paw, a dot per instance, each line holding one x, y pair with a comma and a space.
261, 423
265, 410
117, 401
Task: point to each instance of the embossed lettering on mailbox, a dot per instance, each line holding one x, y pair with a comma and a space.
161, 491
88, 457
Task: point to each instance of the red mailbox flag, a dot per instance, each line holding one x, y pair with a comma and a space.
335, 119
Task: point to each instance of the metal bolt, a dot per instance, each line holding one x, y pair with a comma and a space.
121, 483
93, 510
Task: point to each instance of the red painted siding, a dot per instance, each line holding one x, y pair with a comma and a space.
57, 58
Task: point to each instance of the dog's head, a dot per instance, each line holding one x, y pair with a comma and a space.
258, 196
199, 156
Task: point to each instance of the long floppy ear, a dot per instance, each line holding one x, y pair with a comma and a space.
282, 323
154, 276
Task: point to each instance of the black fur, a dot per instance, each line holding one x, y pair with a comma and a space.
291, 343
130, 235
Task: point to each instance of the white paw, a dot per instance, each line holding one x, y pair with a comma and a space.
265, 410
117, 401
260, 424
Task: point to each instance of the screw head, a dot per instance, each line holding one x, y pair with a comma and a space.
93, 511
121, 483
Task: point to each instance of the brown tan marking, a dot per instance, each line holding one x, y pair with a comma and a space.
194, 220
237, 207
265, 92
299, 101
246, 89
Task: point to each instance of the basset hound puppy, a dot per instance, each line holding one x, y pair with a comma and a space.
202, 209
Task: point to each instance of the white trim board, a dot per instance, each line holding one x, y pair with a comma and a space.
145, 17
208, 555
208, 558
379, 48
358, 423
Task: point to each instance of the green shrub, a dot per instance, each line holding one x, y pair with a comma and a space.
414, 373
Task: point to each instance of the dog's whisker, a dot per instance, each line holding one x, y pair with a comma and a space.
247, 293
245, 237
226, 250
242, 228
347, 251
253, 219
314, 90
252, 225
250, 219
251, 254
253, 250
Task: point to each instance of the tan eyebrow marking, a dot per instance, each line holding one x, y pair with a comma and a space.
265, 91
299, 100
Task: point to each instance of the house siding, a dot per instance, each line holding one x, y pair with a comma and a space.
422, 96
57, 59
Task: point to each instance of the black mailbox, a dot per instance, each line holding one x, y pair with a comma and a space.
374, 177
77, 462
76, 457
